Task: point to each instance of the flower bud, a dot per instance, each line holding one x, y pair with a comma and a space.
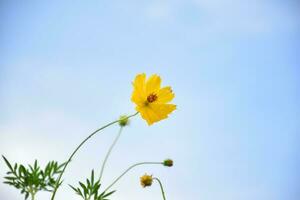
146, 180
168, 163
123, 120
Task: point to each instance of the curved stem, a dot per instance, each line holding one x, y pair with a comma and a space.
77, 148
161, 187
109, 152
128, 169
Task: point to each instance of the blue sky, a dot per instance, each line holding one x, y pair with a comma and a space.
66, 68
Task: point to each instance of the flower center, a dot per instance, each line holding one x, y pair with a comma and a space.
151, 98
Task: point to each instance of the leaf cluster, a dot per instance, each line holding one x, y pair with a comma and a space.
90, 190
32, 179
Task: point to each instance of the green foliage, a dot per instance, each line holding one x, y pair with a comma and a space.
90, 190
32, 179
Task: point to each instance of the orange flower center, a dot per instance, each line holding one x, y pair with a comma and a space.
151, 98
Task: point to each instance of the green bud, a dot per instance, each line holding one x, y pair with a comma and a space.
168, 163
123, 120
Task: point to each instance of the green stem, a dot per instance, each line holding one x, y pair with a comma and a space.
128, 169
32, 192
109, 152
77, 148
161, 187
32, 196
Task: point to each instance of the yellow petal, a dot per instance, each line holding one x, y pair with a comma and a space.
165, 95
156, 112
138, 95
153, 84
163, 110
143, 110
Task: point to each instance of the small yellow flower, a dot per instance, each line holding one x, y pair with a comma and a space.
146, 180
151, 100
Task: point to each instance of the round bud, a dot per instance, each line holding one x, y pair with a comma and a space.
123, 120
168, 163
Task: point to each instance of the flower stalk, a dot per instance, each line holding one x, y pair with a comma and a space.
32, 192
109, 152
128, 169
78, 147
161, 187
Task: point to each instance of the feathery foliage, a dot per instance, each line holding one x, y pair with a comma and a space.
90, 190
32, 179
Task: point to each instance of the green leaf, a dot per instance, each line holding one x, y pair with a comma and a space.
10, 178
22, 170
88, 184
26, 195
7, 163
92, 177
108, 194
85, 190
15, 167
73, 188
35, 164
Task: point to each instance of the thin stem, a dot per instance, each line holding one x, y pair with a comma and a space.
32, 195
32, 192
161, 187
109, 152
77, 148
128, 169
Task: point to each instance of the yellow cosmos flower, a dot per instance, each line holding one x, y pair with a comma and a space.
146, 180
151, 100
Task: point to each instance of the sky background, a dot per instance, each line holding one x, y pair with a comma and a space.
66, 69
